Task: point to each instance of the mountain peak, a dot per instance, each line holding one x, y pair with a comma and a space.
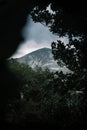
42, 57
44, 48
41, 49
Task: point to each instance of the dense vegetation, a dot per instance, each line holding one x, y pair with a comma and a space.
46, 97
41, 96
69, 21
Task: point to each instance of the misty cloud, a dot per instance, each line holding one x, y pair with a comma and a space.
35, 36
28, 47
37, 32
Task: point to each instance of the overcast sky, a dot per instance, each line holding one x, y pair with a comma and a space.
35, 36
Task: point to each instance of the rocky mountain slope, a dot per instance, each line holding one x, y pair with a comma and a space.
42, 57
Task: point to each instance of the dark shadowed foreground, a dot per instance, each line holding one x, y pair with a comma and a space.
35, 102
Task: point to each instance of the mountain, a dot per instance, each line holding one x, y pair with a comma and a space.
42, 57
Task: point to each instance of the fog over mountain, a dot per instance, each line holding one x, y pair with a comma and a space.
43, 58
35, 36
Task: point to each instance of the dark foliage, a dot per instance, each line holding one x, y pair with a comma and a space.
69, 21
65, 104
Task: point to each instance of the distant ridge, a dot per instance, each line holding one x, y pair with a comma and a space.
42, 57
41, 49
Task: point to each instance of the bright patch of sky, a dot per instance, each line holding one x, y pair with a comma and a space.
50, 10
35, 36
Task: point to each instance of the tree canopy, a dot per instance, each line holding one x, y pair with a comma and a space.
68, 20
58, 97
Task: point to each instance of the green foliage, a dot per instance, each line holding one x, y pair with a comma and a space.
67, 20
46, 96
56, 97
71, 88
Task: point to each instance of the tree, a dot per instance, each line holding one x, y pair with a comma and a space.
68, 20
61, 94
71, 21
